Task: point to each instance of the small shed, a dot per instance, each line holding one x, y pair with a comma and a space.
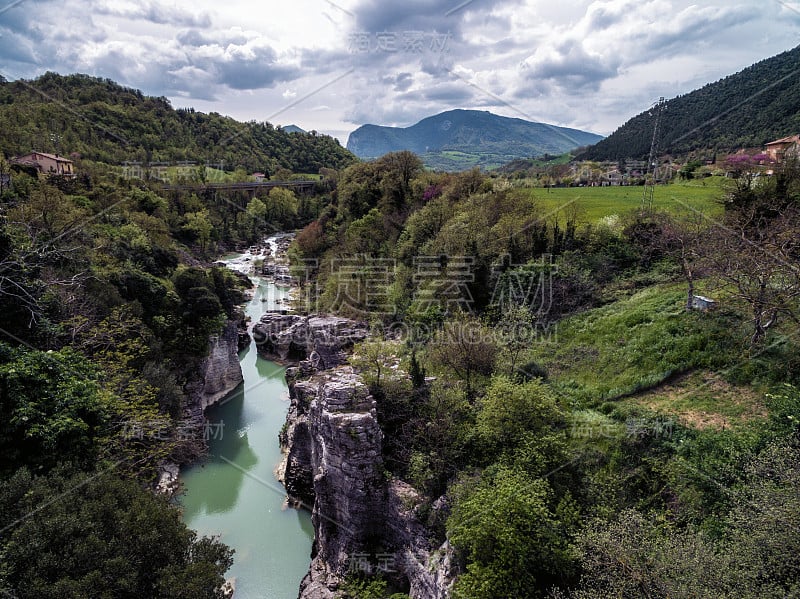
704, 304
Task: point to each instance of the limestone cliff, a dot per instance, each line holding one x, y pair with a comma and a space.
321, 339
209, 381
363, 519
220, 371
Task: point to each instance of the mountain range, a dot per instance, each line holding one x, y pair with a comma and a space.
756, 105
459, 139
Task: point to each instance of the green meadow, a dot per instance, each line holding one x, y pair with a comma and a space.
595, 203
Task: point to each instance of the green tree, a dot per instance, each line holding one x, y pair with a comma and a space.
466, 347
374, 358
510, 412
635, 556
514, 544
70, 537
416, 372
282, 206
198, 226
53, 409
256, 213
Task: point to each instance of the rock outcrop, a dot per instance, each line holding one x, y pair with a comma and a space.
363, 519
220, 370
209, 380
322, 340
168, 479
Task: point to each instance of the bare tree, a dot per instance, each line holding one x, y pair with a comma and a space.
659, 234
758, 259
683, 238
465, 346
36, 241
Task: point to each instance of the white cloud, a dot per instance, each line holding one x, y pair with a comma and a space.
590, 64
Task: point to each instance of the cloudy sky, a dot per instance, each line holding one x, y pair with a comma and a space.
334, 65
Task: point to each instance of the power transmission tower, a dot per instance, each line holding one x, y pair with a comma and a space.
652, 163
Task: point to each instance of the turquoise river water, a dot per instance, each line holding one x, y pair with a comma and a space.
234, 494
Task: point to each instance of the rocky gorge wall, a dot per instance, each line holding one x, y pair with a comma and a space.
364, 520
220, 371
212, 379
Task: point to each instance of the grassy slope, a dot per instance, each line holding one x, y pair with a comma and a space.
647, 352
632, 344
703, 399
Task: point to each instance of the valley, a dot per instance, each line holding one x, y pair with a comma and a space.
473, 358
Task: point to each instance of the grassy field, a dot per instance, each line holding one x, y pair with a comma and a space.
456, 161
594, 203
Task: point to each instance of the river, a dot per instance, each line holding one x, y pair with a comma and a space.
234, 493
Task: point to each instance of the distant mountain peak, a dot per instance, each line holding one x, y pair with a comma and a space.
479, 137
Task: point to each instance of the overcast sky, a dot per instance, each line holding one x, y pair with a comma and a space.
334, 65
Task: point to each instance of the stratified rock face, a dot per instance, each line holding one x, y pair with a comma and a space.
220, 371
334, 464
320, 339
344, 460
349, 481
298, 472
429, 571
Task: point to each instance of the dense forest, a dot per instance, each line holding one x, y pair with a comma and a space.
748, 109
589, 434
103, 121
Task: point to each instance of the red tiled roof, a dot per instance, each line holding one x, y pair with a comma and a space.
785, 140
46, 155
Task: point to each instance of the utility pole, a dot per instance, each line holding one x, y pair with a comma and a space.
652, 163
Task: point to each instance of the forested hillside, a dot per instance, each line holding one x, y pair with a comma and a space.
109, 301
457, 140
104, 121
575, 429
757, 105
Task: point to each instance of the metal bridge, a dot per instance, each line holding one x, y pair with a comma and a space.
304, 186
